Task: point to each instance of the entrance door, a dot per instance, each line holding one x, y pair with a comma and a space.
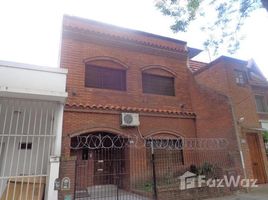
256, 157
108, 166
103, 167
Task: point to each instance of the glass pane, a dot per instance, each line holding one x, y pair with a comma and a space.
260, 104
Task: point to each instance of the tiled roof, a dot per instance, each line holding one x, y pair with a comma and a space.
128, 109
90, 26
196, 65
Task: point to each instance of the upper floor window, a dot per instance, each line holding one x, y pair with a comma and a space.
156, 84
260, 103
240, 77
105, 78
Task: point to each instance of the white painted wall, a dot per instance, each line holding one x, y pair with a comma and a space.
18, 162
30, 122
27, 81
2, 151
27, 94
25, 162
264, 124
16, 75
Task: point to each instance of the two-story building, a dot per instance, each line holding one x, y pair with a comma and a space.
135, 120
247, 90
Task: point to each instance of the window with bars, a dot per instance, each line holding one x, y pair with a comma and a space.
240, 77
166, 149
105, 78
25, 146
260, 103
156, 84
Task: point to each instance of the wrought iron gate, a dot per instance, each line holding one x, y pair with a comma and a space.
26, 140
118, 168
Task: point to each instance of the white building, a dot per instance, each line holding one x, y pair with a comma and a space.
31, 113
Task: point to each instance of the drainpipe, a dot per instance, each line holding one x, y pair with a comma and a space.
237, 133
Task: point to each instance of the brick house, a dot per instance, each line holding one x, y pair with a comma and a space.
114, 71
247, 90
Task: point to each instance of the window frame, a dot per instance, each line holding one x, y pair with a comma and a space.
25, 146
102, 70
264, 103
159, 76
237, 77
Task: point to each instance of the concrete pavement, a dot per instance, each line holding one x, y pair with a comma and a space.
260, 193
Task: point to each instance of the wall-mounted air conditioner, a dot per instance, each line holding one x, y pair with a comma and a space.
130, 119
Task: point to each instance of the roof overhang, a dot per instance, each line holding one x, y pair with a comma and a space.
19, 80
33, 94
192, 52
256, 129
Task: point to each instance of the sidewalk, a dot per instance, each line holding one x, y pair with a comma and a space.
260, 193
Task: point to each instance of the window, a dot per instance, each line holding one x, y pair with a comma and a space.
260, 103
25, 146
105, 78
166, 149
155, 84
240, 77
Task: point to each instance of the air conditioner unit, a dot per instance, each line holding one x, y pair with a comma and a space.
130, 119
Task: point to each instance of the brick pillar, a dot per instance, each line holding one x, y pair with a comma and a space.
67, 169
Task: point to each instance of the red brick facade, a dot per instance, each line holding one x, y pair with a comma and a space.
194, 111
220, 76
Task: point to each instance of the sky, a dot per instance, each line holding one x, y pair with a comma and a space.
30, 30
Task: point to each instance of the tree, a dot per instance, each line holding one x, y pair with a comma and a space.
221, 20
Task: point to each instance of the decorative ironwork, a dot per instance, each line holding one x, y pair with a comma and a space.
116, 167
108, 141
99, 141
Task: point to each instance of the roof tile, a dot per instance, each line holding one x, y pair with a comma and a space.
195, 66
123, 108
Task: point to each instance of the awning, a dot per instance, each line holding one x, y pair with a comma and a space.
256, 129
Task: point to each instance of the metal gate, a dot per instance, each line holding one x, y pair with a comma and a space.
26, 139
121, 168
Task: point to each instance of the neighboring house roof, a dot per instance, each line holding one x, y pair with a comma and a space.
195, 66
220, 59
86, 26
192, 52
255, 75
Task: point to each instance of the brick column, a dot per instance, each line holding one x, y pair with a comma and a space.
67, 169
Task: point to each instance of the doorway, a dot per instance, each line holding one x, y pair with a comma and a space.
256, 158
109, 165
101, 166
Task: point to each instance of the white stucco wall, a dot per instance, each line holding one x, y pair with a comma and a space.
31, 109
28, 81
